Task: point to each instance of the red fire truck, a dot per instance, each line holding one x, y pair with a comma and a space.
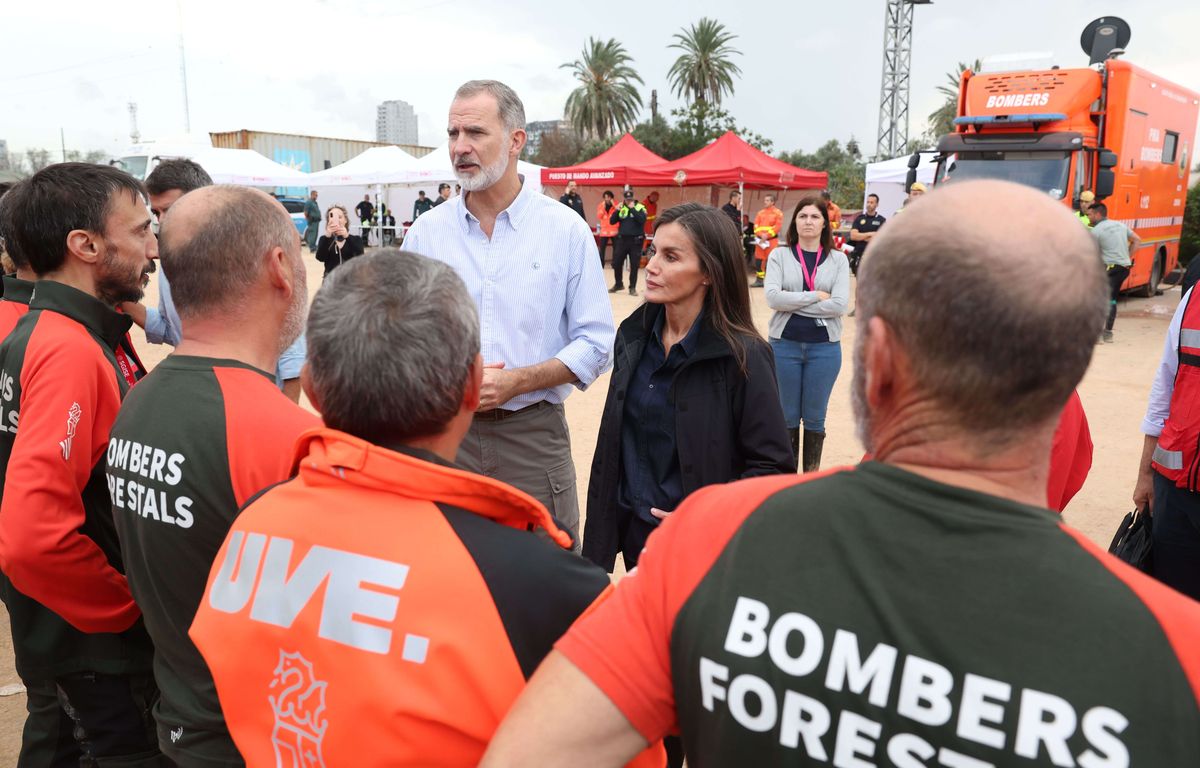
1111, 127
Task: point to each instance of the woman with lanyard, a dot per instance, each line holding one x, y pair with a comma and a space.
337, 245
808, 286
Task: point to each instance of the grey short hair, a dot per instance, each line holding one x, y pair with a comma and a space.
512, 111
214, 261
391, 340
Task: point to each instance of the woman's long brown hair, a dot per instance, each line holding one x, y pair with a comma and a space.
718, 244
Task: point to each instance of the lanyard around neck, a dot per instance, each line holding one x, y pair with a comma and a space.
810, 280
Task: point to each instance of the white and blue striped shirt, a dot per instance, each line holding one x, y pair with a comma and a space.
537, 284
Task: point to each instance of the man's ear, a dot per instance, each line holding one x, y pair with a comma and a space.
85, 245
519, 137
279, 272
471, 391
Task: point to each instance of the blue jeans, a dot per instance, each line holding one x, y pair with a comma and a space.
805, 373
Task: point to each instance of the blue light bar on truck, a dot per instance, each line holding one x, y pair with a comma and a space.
1042, 117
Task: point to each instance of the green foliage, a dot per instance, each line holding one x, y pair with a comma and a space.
693, 129
704, 71
1189, 240
941, 120
606, 102
845, 166
558, 148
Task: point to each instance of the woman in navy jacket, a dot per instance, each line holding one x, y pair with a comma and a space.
692, 400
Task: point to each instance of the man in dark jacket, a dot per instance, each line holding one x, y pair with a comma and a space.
572, 200
733, 209
421, 205
631, 216
365, 212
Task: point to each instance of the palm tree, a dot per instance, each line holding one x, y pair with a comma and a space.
704, 72
606, 102
941, 120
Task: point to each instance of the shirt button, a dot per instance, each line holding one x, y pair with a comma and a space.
651, 386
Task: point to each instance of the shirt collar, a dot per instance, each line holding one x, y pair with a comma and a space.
514, 213
85, 309
689, 341
17, 290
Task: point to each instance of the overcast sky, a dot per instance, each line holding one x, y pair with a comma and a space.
810, 70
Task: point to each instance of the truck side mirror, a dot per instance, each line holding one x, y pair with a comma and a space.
910, 179
1105, 183
914, 160
1107, 159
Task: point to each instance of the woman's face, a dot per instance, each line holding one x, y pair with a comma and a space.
337, 217
809, 222
673, 274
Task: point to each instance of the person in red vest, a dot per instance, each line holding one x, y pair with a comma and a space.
1167, 479
651, 205
385, 606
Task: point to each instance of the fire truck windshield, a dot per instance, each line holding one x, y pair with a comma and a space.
1046, 171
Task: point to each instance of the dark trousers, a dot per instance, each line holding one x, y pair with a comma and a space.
365, 227
627, 248
1116, 276
91, 720
310, 235
603, 243
1176, 536
633, 539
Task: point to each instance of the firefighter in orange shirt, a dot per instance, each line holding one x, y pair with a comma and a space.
835, 210
651, 206
767, 224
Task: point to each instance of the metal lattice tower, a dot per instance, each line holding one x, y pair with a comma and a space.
893, 93
134, 134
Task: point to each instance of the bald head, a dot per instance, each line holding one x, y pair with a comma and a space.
996, 315
213, 245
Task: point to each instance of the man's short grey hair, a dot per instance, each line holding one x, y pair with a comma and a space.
512, 111
391, 340
215, 260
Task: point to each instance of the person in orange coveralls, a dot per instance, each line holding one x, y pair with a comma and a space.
767, 224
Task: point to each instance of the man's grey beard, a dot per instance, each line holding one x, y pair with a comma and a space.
486, 177
294, 321
858, 391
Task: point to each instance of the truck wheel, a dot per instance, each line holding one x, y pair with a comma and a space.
1156, 274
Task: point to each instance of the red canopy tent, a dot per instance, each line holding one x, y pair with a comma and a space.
731, 161
622, 163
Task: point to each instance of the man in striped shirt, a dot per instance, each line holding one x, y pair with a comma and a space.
531, 266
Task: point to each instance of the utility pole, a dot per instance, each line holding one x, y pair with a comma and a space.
134, 135
893, 91
62, 139
187, 117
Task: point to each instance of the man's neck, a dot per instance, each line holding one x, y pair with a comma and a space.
226, 339
934, 450
486, 204
26, 274
75, 275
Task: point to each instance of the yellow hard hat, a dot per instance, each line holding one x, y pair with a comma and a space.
917, 187
1087, 196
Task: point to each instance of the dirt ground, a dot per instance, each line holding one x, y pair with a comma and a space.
1113, 392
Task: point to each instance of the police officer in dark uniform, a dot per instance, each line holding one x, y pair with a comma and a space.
866, 224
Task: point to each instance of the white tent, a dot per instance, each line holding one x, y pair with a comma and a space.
248, 168
377, 165
887, 178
